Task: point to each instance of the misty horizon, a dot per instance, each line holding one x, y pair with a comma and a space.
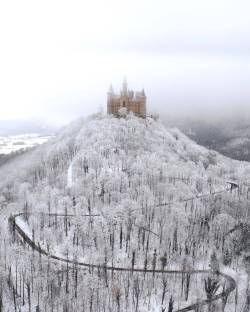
57, 62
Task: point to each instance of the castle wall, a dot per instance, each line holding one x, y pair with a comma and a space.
138, 107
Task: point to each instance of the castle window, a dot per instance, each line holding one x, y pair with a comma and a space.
124, 104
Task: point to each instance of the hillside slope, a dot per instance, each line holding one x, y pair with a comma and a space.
124, 193
115, 149
230, 137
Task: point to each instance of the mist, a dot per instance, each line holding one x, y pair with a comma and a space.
58, 59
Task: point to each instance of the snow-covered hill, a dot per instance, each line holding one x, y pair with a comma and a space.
127, 193
114, 149
229, 136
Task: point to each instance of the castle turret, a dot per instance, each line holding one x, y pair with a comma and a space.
110, 96
111, 91
125, 86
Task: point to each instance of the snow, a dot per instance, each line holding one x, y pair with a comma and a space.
24, 226
70, 176
15, 143
122, 169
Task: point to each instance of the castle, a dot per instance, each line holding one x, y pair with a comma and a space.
129, 100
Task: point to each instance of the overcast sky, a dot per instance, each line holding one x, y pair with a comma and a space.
58, 58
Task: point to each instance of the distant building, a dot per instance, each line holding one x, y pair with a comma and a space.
127, 100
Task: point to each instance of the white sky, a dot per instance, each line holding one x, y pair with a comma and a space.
57, 58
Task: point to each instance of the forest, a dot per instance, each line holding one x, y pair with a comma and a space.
123, 214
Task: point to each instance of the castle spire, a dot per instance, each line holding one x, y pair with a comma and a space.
125, 86
110, 93
111, 90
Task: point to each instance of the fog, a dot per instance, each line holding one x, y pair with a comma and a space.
58, 58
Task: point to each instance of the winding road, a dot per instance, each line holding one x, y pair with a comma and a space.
225, 292
231, 284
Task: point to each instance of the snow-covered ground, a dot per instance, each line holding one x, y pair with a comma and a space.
70, 175
145, 185
14, 143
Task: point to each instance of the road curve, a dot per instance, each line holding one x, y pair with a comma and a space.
41, 251
34, 246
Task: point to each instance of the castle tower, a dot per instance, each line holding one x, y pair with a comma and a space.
134, 101
125, 87
110, 97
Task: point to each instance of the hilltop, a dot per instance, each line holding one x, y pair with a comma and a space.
121, 146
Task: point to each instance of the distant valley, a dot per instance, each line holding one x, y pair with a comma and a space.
17, 137
11, 144
229, 136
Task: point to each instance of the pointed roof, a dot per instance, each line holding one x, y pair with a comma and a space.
125, 86
111, 90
